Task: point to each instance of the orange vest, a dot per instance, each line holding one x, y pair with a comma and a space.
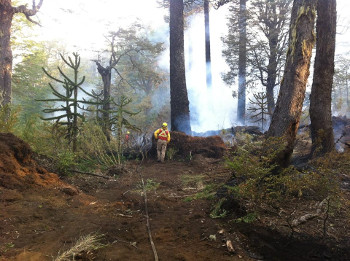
163, 134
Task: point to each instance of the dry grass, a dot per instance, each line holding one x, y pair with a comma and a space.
83, 244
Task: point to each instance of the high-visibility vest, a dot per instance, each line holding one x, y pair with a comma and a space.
163, 134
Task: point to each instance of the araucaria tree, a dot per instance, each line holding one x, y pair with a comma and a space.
286, 117
258, 108
68, 114
7, 11
179, 104
321, 91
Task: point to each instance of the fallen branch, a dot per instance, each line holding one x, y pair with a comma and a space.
303, 219
147, 215
147, 221
90, 174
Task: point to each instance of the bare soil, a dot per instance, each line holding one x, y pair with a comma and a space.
43, 215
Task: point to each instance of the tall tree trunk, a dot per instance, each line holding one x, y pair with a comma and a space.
207, 44
180, 112
272, 65
321, 91
271, 80
242, 61
286, 117
106, 75
6, 15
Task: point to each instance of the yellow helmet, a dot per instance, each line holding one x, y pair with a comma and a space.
164, 124
128, 132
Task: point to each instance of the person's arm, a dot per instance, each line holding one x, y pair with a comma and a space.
168, 140
156, 133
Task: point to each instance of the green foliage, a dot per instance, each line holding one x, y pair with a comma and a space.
8, 118
254, 159
66, 161
249, 218
134, 58
27, 81
68, 115
170, 153
269, 20
6, 247
192, 180
243, 138
263, 183
208, 192
259, 108
150, 185
218, 212
119, 121
94, 146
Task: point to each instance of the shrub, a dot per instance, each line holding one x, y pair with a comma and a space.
263, 183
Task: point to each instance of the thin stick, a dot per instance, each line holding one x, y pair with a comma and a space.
147, 218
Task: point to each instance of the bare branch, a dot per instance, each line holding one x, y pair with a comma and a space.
29, 12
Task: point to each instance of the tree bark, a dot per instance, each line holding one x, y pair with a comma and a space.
242, 61
207, 44
321, 91
106, 75
286, 117
272, 65
6, 15
180, 113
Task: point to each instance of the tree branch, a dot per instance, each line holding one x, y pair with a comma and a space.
29, 12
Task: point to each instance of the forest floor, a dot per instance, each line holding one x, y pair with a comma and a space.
40, 222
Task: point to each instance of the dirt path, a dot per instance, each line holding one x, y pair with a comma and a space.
38, 224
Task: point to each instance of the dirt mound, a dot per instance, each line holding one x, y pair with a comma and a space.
17, 168
185, 145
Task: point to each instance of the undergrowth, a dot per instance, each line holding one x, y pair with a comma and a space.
263, 187
48, 139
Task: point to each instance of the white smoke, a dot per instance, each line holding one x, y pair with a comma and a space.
211, 108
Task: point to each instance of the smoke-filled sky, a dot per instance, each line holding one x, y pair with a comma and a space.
82, 24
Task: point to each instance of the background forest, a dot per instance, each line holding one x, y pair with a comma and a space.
126, 66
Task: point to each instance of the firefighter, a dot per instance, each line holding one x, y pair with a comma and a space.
162, 136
